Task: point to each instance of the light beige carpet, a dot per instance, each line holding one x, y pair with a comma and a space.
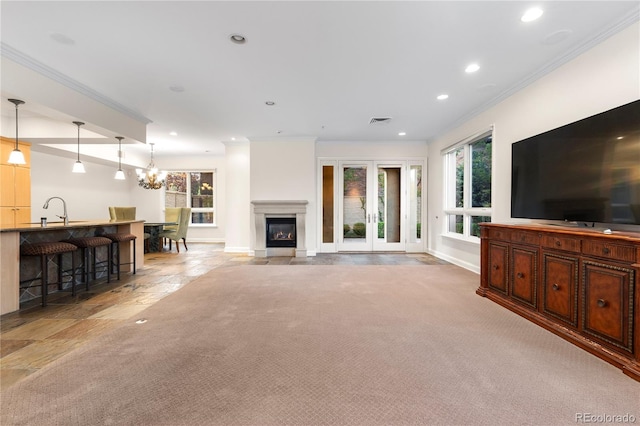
324, 345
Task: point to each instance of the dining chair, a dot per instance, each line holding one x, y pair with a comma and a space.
180, 233
122, 213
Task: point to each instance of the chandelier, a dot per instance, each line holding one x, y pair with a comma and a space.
151, 178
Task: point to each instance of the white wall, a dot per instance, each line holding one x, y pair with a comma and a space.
87, 195
372, 150
237, 200
602, 78
284, 169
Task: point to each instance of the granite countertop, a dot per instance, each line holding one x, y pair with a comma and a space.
58, 224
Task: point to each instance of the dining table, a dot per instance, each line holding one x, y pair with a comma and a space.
155, 241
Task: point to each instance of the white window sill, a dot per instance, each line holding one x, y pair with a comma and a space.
475, 241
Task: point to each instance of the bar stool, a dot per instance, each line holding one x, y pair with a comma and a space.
118, 238
44, 250
88, 246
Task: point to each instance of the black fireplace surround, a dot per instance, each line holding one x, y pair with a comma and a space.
281, 232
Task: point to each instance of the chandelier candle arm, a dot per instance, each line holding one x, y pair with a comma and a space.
16, 156
78, 167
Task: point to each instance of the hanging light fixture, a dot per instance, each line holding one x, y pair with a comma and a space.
119, 174
16, 156
151, 178
78, 167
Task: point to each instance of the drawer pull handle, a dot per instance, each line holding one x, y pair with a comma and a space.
602, 303
558, 243
555, 287
520, 275
606, 250
496, 267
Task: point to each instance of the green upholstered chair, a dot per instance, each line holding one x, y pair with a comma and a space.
171, 214
181, 232
122, 213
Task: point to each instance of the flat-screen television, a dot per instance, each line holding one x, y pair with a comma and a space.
586, 172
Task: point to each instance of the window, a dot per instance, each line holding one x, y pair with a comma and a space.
193, 189
468, 186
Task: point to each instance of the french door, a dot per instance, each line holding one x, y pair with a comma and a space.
371, 206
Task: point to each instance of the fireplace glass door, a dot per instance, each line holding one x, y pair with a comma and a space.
281, 232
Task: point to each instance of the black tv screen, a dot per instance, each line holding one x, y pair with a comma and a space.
587, 171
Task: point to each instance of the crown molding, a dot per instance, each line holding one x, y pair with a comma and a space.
27, 61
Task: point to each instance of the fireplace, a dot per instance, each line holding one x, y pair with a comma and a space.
280, 227
281, 231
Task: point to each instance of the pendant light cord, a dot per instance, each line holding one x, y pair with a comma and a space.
78, 123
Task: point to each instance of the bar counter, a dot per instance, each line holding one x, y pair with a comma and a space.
11, 238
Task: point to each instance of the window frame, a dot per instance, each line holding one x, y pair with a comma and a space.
214, 195
449, 191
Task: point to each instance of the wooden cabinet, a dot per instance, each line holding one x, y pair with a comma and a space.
15, 186
580, 284
560, 287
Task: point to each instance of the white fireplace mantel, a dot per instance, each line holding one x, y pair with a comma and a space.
280, 208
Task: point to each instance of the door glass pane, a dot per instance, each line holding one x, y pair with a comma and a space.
388, 214
415, 203
355, 203
327, 204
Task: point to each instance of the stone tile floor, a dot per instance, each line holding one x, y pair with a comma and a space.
34, 336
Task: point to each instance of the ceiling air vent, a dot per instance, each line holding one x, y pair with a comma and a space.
379, 120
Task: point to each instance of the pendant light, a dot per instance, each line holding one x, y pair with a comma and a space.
119, 174
78, 167
16, 156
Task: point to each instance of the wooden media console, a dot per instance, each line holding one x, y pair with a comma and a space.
578, 283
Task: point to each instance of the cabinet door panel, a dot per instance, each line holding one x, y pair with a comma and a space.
559, 287
524, 273
499, 267
23, 186
606, 316
7, 188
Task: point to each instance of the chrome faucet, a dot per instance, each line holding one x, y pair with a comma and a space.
64, 205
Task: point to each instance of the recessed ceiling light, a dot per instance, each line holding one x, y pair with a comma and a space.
237, 38
442, 97
233, 139
402, 134
62, 39
531, 14
173, 133
620, 137
472, 68
270, 103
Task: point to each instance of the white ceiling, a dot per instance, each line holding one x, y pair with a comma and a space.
329, 66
